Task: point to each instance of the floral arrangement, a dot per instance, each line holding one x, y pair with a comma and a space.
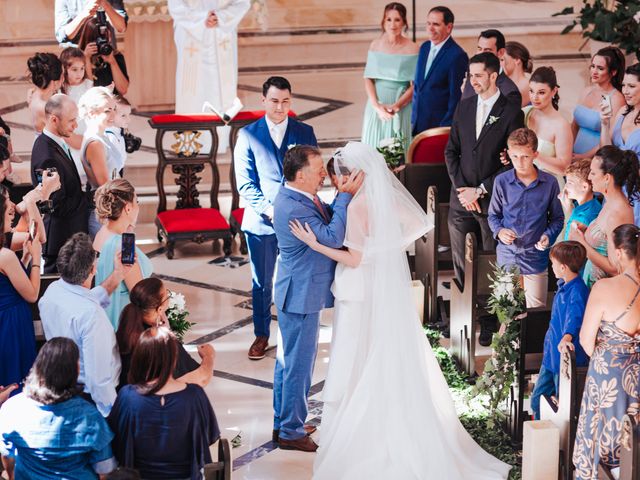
610, 21
507, 302
177, 314
392, 149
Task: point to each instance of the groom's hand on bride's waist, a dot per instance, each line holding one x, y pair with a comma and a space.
351, 184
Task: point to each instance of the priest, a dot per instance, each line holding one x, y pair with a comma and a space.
205, 32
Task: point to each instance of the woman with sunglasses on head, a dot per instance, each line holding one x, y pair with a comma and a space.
149, 303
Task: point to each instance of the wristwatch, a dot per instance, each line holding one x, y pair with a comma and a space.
479, 191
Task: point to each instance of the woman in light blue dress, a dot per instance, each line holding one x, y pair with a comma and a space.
626, 129
606, 71
117, 206
388, 79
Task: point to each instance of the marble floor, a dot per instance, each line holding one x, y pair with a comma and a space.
218, 297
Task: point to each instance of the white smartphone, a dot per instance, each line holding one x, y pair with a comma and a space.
606, 100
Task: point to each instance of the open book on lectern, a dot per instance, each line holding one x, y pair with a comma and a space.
227, 116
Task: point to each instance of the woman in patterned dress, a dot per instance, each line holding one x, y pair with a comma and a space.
610, 334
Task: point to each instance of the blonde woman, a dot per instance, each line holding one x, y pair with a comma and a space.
97, 108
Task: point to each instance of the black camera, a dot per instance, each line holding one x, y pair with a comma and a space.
131, 142
45, 207
102, 39
4, 148
50, 171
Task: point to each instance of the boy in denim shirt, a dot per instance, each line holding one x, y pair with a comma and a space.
567, 258
526, 216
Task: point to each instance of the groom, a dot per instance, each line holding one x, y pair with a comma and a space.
302, 286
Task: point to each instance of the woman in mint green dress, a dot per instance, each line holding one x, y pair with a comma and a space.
117, 208
388, 80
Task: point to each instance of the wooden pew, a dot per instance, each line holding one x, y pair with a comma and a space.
629, 453
45, 281
468, 302
564, 413
428, 261
221, 469
533, 328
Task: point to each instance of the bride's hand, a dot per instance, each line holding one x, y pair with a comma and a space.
304, 234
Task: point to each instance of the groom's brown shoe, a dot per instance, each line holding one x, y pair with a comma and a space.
258, 349
304, 444
309, 430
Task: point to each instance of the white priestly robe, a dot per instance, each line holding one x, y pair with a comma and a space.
207, 67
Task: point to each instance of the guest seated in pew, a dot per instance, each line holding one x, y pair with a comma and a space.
577, 196
49, 430
149, 302
567, 259
526, 216
70, 308
610, 334
117, 208
163, 427
614, 174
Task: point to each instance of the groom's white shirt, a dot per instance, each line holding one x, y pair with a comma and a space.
306, 194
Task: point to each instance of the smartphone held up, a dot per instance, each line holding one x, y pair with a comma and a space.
128, 249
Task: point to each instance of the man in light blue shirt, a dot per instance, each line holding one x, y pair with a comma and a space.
70, 308
72, 15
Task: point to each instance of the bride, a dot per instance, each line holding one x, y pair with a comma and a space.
387, 411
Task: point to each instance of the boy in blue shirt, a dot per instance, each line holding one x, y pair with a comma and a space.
578, 195
525, 216
567, 258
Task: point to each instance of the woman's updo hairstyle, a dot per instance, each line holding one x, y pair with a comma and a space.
635, 71
547, 75
614, 58
623, 166
93, 101
518, 51
398, 7
625, 238
112, 197
145, 296
44, 68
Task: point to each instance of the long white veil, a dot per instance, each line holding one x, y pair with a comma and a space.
393, 417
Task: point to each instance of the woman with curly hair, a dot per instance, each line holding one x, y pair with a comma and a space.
117, 207
49, 430
45, 72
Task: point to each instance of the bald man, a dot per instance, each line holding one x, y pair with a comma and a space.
70, 208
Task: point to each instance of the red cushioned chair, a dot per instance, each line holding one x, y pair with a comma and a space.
428, 146
426, 166
189, 221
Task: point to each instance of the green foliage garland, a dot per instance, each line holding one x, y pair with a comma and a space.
507, 302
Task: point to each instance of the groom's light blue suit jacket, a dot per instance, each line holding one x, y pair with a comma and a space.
304, 276
258, 168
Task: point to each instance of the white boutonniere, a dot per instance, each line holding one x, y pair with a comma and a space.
290, 146
492, 119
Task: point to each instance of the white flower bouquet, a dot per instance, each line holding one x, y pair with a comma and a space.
177, 314
392, 149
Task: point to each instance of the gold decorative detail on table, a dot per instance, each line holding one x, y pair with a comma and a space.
187, 144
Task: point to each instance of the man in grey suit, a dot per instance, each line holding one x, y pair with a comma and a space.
493, 41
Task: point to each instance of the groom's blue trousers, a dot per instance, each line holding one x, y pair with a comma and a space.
297, 347
263, 252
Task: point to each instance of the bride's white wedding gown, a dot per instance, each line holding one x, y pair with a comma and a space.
388, 413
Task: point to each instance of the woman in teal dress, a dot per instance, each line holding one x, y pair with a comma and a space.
117, 207
391, 64
610, 334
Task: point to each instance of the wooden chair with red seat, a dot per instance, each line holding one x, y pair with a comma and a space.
188, 221
426, 165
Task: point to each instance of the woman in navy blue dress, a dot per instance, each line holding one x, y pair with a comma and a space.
19, 286
163, 427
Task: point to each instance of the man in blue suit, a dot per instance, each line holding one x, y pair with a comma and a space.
439, 74
258, 156
302, 286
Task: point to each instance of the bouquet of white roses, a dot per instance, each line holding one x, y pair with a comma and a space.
392, 149
177, 315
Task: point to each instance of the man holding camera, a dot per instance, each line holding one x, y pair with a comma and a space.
71, 16
68, 211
